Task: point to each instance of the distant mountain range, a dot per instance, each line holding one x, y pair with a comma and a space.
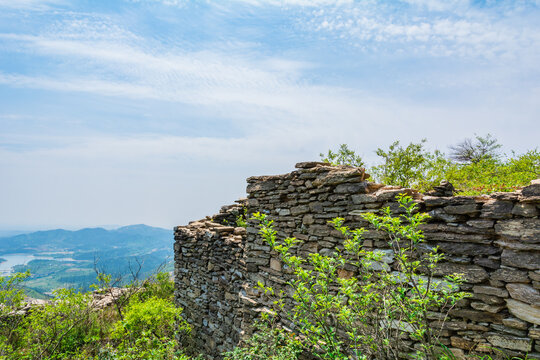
98, 239
64, 258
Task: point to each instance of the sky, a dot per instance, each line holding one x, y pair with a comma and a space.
117, 112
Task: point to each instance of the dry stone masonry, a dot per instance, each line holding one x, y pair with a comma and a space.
493, 240
210, 276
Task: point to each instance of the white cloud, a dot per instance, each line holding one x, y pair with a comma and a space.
30, 4
306, 3
461, 30
120, 64
106, 59
439, 5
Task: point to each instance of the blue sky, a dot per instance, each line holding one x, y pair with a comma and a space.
155, 111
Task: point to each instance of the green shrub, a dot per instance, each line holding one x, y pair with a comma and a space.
344, 156
474, 167
367, 312
149, 327
267, 342
144, 348
412, 166
11, 297
59, 330
160, 286
494, 174
11, 293
69, 327
155, 318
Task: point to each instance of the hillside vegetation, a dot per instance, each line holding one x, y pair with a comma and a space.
138, 322
473, 166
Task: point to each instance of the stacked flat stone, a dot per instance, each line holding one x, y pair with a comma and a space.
209, 273
443, 189
493, 240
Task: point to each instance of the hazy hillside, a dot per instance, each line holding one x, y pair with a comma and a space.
87, 239
63, 258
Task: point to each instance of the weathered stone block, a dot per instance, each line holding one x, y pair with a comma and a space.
388, 193
484, 347
510, 275
320, 230
467, 249
511, 342
534, 333
275, 264
310, 247
298, 210
338, 176
508, 330
308, 219
283, 212
527, 230
533, 189
525, 210
459, 238
481, 224
467, 209
485, 307
261, 186
459, 354
520, 259
316, 207
515, 323
517, 245
523, 311
350, 188
472, 273
495, 209
524, 293
257, 261
488, 299
310, 164
363, 199
440, 214
488, 290
487, 262
479, 316
462, 343
496, 283
431, 201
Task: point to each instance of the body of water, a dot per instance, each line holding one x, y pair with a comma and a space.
6, 267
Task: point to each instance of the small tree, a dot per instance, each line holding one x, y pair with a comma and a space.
344, 156
370, 311
473, 151
410, 166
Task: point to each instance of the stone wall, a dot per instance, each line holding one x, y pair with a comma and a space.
494, 240
210, 273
